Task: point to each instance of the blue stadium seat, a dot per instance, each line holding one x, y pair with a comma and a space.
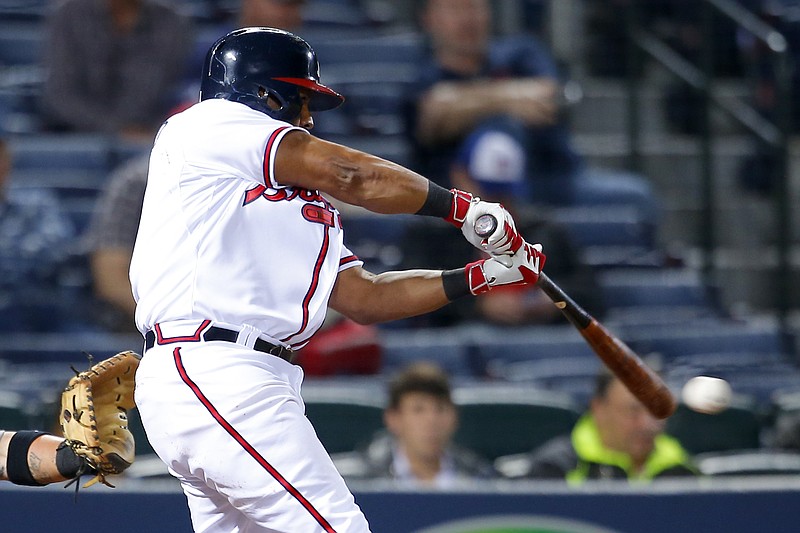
405, 48
654, 287
447, 348
21, 43
375, 238
65, 348
593, 226
62, 152
493, 345
706, 338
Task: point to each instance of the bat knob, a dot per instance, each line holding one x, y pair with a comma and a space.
485, 225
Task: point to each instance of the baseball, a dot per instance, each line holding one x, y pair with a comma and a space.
707, 395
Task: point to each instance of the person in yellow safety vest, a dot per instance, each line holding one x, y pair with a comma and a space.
616, 439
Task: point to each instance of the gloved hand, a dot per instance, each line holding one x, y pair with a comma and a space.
94, 420
525, 266
466, 209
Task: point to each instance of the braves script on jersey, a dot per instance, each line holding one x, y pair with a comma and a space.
222, 246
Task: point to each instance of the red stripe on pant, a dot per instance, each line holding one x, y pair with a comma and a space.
247, 446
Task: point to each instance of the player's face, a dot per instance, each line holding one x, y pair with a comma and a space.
423, 425
624, 423
304, 118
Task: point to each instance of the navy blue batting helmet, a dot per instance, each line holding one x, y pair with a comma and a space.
250, 65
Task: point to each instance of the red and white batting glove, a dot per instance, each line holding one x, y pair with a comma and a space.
526, 264
466, 209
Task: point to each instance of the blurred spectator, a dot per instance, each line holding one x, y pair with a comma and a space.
113, 66
109, 242
418, 450
475, 87
35, 241
617, 439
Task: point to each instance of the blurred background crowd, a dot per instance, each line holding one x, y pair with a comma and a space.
649, 145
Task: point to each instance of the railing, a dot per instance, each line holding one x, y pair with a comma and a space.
774, 136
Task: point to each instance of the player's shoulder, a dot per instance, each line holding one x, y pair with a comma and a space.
222, 113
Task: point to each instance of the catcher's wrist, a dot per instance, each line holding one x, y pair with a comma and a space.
438, 203
455, 284
17, 467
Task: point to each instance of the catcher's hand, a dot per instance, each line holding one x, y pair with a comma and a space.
94, 416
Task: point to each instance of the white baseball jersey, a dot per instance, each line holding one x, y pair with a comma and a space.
221, 239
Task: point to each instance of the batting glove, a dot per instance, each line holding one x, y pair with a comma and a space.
526, 264
466, 209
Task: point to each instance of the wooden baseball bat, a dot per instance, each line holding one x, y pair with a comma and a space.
623, 362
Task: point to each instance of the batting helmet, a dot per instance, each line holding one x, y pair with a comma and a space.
250, 65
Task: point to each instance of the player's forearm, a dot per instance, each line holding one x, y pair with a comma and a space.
378, 185
370, 298
39, 457
349, 175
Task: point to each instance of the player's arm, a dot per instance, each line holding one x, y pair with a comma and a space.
369, 298
36, 458
349, 175
382, 186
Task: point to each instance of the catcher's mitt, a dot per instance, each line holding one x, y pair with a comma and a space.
94, 416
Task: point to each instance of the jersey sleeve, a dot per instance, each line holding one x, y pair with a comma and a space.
270, 151
228, 139
348, 259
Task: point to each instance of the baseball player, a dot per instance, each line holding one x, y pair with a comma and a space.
238, 256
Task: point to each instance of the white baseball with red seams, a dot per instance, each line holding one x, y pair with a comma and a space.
222, 243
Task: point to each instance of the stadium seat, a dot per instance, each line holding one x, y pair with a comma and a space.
344, 415
498, 420
447, 348
13, 415
375, 238
738, 427
60, 152
498, 346
21, 43
654, 287
706, 337
592, 226
749, 463
573, 375
405, 48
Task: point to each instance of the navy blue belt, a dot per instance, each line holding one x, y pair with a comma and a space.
216, 333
